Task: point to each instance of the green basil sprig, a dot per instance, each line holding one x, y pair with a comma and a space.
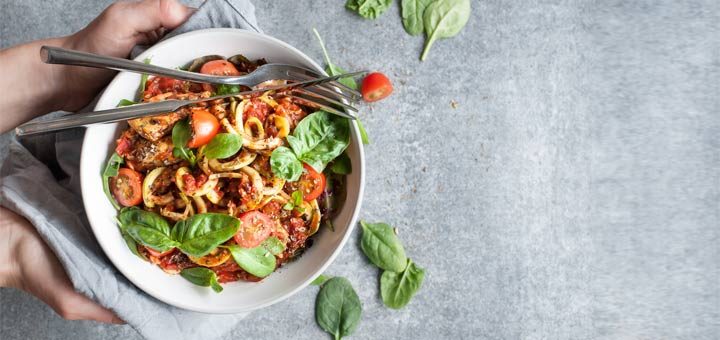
200, 234
258, 261
368, 9
382, 246
148, 228
111, 170
444, 19
396, 289
181, 135
202, 276
223, 145
317, 139
337, 307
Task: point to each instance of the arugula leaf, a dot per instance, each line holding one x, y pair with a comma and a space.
382, 246
396, 289
412, 15
337, 307
181, 134
368, 9
200, 234
223, 145
285, 164
341, 165
444, 19
257, 261
202, 276
320, 280
125, 102
111, 170
147, 228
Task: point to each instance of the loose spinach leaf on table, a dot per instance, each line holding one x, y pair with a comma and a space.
285, 164
258, 261
223, 145
396, 289
181, 134
412, 15
368, 9
147, 228
200, 234
320, 280
337, 307
444, 19
363, 134
111, 170
202, 276
382, 246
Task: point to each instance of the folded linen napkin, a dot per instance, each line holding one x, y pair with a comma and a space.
40, 181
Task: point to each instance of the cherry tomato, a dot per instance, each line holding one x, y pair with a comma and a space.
156, 253
127, 187
375, 86
311, 184
219, 68
170, 84
255, 227
205, 126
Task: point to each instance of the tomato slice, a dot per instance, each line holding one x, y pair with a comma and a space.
255, 227
127, 187
311, 184
375, 86
156, 253
219, 68
204, 125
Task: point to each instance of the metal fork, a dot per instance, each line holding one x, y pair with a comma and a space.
150, 109
334, 91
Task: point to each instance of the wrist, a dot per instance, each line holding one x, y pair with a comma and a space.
10, 236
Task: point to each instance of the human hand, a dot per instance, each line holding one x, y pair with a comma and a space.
27, 263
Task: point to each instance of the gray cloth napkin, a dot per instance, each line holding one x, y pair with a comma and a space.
40, 181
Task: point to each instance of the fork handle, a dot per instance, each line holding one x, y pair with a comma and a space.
104, 116
57, 55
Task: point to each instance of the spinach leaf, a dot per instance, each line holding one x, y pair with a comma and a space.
274, 245
444, 19
111, 170
125, 102
382, 247
341, 165
223, 145
202, 276
368, 9
257, 261
223, 89
201, 233
181, 134
412, 15
397, 289
363, 134
320, 280
143, 80
333, 69
147, 228
337, 307
285, 164
319, 138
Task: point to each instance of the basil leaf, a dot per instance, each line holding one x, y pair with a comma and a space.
111, 170
125, 102
257, 261
337, 307
397, 289
143, 80
202, 276
319, 138
412, 15
274, 245
368, 9
147, 228
181, 134
201, 233
444, 19
223, 145
363, 134
223, 89
341, 165
320, 280
382, 247
285, 164
132, 245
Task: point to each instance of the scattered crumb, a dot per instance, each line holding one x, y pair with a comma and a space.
454, 104
423, 169
395, 230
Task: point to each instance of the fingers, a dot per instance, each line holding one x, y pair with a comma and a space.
75, 306
150, 15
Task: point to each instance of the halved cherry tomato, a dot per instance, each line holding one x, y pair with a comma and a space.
375, 86
158, 85
156, 253
126, 187
204, 125
255, 227
219, 68
311, 184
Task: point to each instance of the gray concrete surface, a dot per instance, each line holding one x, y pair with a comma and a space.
572, 194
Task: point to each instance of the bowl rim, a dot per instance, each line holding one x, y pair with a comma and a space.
142, 285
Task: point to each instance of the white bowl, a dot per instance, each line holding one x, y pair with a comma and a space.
237, 297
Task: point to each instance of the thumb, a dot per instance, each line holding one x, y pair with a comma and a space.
148, 15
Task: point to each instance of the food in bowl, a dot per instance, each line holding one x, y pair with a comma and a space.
229, 189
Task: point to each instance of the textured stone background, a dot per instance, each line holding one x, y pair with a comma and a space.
574, 193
